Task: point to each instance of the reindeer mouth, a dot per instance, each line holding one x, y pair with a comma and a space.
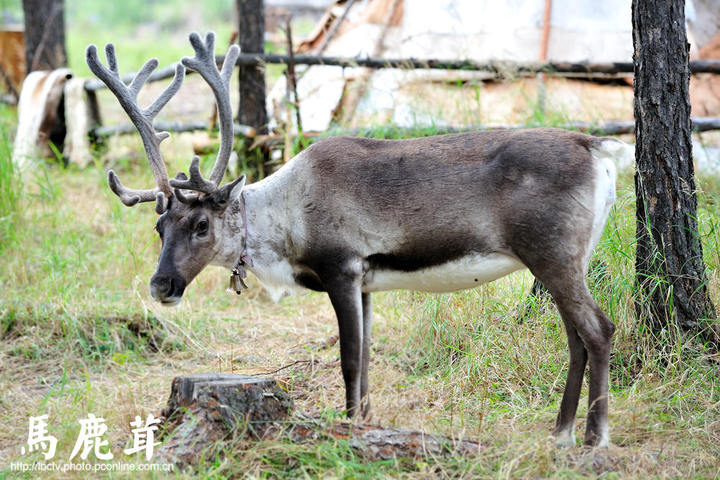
170, 302
167, 289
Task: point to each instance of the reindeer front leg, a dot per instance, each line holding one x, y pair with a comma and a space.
344, 289
367, 327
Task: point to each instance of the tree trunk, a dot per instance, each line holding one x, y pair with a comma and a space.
670, 272
251, 36
44, 34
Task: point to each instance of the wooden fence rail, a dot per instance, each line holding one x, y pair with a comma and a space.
497, 69
699, 124
500, 69
164, 126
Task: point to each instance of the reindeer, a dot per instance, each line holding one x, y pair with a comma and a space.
351, 216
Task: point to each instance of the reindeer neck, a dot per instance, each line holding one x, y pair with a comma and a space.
270, 227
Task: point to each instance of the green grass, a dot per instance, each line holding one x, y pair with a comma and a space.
10, 194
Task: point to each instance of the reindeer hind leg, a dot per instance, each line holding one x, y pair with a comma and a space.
589, 333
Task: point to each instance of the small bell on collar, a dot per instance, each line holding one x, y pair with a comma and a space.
237, 279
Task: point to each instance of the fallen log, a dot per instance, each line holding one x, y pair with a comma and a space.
377, 443
207, 408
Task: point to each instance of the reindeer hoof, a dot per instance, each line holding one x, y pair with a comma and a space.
565, 439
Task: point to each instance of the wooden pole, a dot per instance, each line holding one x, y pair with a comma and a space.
699, 124
543, 53
251, 36
162, 126
362, 81
547, 14
292, 77
333, 30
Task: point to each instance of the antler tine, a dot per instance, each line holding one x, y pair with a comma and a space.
141, 77
142, 119
204, 63
196, 181
187, 199
130, 197
167, 94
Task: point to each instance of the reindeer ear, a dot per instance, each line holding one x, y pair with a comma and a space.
229, 192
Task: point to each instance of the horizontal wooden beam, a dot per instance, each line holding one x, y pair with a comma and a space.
497, 66
699, 124
161, 126
500, 69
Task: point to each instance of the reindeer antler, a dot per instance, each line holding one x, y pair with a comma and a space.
142, 119
219, 81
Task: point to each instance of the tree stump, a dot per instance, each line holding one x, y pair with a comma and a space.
208, 407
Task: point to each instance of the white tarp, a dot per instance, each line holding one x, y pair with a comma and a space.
511, 30
481, 30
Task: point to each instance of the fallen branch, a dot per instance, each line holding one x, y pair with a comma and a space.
285, 367
377, 443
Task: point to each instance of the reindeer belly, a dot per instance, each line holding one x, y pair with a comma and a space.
459, 274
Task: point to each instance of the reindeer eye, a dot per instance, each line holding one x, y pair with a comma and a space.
201, 228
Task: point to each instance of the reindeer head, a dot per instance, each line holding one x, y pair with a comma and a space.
192, 210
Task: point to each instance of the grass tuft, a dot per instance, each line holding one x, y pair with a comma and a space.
11, 189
